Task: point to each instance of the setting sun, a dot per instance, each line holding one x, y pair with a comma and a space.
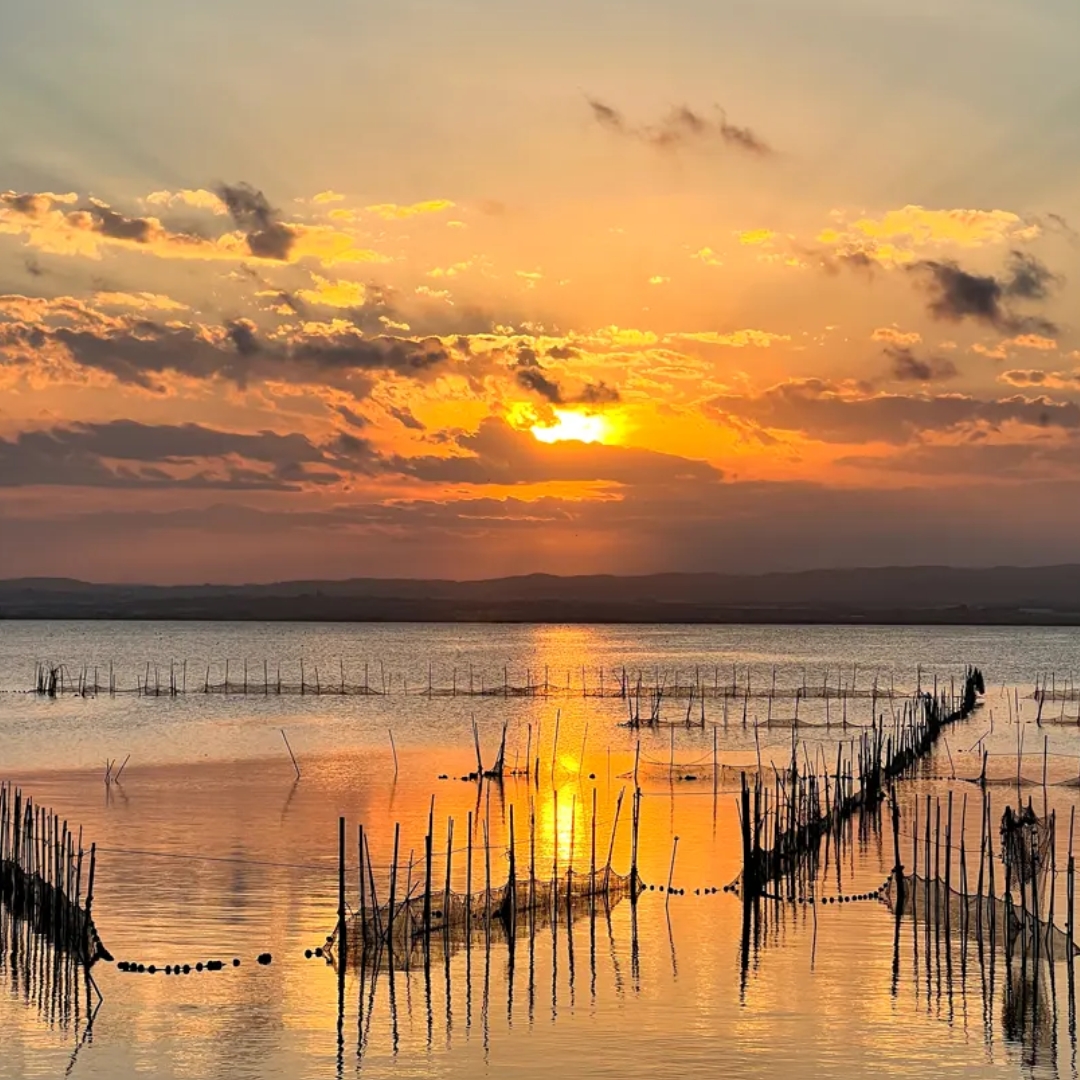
576, 426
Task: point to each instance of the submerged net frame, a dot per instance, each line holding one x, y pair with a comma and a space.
500, 913
998, 920
425, 913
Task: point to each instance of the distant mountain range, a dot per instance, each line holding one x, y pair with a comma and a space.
1047, 595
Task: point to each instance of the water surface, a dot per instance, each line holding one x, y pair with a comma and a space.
210, 847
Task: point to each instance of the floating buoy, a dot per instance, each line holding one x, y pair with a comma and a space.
214, 965
264, 958
152, 969
198, 966
187, 969
308, 953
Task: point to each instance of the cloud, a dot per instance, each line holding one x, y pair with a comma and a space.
905, 366
707, 256
755, 237
896, 337
736, 339
832, 413
267, 236
957, 294
405, 417
353, 419
681, 127
142, 301
197, 199
1030, 459
1051, 380
918, 226
1033, 341
530, 375
139, 352
47, 223
532, 378
499, 454
396, 212
338, 294
731, 526
128, 454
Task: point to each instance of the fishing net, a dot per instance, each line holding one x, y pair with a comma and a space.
1025, 844
501, 912
999, 920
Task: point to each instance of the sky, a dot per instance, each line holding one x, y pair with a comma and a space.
466, 289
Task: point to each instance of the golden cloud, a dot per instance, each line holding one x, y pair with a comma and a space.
1051, 380
917, 226
88, 232
707, 256
141, 301
737, 339
338, 294
1033, 341
396, 212
197, 198
896, 337
756, 237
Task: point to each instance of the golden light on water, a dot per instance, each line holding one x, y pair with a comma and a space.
574, 426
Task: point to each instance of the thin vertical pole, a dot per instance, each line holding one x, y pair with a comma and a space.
341, 886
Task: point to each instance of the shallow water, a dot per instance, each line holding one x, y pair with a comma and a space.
210, 847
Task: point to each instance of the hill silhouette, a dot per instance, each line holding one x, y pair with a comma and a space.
1047, 595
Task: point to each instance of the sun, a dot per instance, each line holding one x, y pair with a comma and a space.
574, 426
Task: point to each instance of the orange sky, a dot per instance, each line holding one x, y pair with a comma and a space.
803, 314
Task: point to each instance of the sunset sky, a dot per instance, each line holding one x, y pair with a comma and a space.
471, 288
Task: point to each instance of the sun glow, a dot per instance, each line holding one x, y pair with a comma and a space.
576, 426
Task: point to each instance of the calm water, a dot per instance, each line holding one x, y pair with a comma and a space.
210, 847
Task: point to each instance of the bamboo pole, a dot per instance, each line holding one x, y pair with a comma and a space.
341, 887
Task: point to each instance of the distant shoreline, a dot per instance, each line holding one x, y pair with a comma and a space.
884, 596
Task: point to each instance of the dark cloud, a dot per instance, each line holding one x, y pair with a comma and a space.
350, 351
742, 137
267, 236
1032, 459
354, 419
26, 203
242, 334
1028, 278
1037, 377
139, 351
499, 454
531, 375
128, 454
1061, 225
957, 294
906, 366
117, 226
534, 380
823, 411
734, 527
681, 127
405, 417
598, 394
563, 352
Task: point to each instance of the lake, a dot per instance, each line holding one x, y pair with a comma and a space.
209, 846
